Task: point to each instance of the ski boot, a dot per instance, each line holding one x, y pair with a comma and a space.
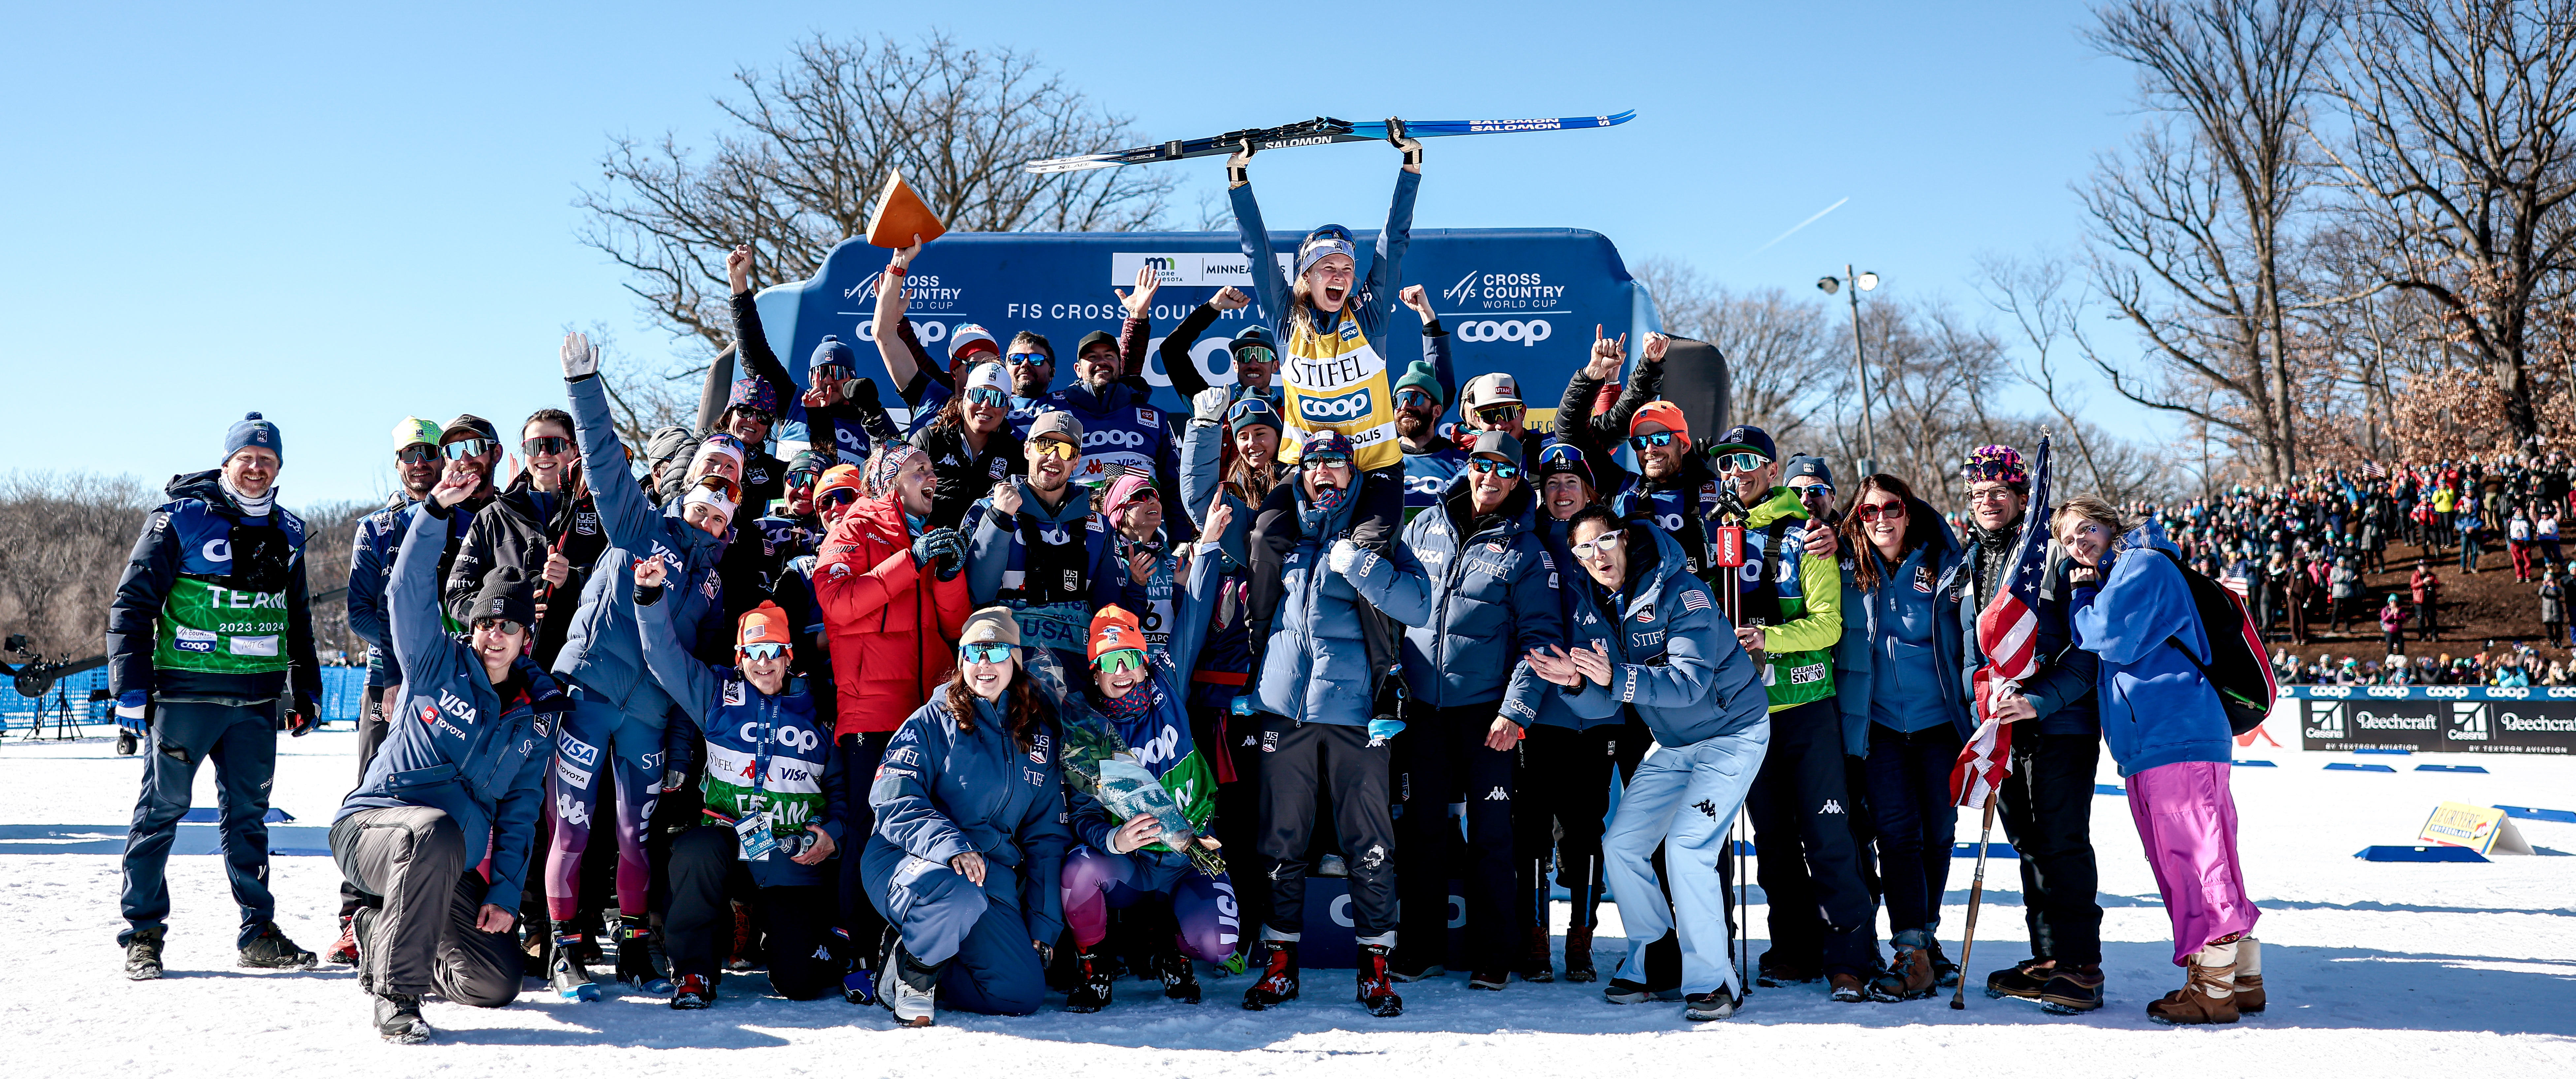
1180, 979
270, 950
398, 1019
1091, 980
859, 986
1534, 962
636, 963
344, 951
567, 977
693, 992
1578, 955
746, 942
1278, 984
143, 956
1377, 990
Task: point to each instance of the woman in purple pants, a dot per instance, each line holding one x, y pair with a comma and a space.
2167, 730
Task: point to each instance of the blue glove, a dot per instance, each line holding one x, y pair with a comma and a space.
130, 708
1383, 728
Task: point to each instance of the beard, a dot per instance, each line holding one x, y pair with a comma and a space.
1412, 425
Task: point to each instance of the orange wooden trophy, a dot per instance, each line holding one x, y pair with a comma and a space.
901, 215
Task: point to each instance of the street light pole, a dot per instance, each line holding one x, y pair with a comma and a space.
1860, 283
1860, 364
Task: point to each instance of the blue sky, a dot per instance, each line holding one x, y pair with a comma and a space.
341, 214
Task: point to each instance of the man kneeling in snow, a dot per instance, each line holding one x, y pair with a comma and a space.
461, 774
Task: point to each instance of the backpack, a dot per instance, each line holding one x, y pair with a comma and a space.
2238, 667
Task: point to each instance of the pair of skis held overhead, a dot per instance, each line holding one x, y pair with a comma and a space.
1319, 131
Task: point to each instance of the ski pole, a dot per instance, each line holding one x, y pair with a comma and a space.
1976, 895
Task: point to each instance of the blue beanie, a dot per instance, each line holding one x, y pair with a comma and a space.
832, 350
253, 431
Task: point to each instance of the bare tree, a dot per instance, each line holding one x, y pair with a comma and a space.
2045, 304
2463, 152
1780, 352
2194, 228
813, 142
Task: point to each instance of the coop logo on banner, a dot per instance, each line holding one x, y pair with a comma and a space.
1526, 332
1189, 267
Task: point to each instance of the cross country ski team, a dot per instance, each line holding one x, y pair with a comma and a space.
1055, 687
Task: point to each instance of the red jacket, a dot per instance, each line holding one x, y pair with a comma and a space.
876, 614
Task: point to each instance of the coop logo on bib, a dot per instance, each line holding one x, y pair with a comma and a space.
1349, 406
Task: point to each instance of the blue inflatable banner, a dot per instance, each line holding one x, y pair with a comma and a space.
1524, 301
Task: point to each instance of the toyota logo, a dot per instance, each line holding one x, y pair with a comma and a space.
1527, 333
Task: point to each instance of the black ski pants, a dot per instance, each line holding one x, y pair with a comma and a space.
2047, 809
1220, 733
1822, 917
1445, 772
794, 920
1298, 761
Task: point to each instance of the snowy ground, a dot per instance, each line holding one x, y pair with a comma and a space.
2373, 969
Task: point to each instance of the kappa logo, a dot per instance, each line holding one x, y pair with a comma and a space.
1831, 806
1706, 808
1498, 795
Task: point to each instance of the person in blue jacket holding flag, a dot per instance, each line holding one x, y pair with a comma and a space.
1653, 644
460, 780
621, 712
2168, 731
1492, 597
1136, 695
209, 652
774, 810
967, 857
1898, 680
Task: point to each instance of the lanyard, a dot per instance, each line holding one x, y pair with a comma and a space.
768, 709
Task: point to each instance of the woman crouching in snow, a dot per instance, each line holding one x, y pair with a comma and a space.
2169, 734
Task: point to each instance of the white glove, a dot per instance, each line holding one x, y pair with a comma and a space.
1209, 405
1343, 555
578, 359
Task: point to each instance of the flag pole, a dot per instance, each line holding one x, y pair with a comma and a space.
1976, 895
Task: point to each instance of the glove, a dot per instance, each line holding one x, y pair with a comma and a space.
579, 362
132, 716
300, 715
673, 779
1208, 406
937, 542
1383, 728
1343, 555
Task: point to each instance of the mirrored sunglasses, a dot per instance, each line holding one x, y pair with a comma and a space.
1499, 413
987, 652
1495, 468
1023, 359
418, 453
1120, 661
545, 445
502, 624
1730, 463
1328, 460
1414, 399
987, 395
1659, 438
1057, 448
465, 447
763, 651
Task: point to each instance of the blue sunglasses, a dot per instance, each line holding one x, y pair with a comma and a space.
1023, 359
1494, 468
987, 395
1659, 438
763, 651
985, 653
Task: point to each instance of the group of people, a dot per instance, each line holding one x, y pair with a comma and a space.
1057, 686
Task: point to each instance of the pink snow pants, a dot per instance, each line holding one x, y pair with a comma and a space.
2187, 820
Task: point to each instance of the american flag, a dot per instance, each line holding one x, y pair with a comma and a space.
2374, 470
2007, 632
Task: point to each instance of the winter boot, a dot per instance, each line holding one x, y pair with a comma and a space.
1578, 955
1623, 991
2209, 993
635, 958
344, 951
398, 1019
566, 976
1534, 964
1910, 976
1944, 972
1704, 1007
693, 992
1377, 989
2024, 980
270, 950
1846, 988
1278, 983
859, 986
362, 928
912, 992
2072, 990
1772, 975
1180, 979
143, 956
2249, 977
1091, 981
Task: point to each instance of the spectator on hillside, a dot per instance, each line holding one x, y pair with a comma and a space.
2544, 533
2344, 585
2553, 606
2392, 625
2470, 529
2517, 544
2427, 588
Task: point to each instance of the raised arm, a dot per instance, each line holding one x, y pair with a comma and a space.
903, 363
1176, 348
1268, 284
623, 512
750, 342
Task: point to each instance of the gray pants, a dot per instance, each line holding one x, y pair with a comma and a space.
423, 938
